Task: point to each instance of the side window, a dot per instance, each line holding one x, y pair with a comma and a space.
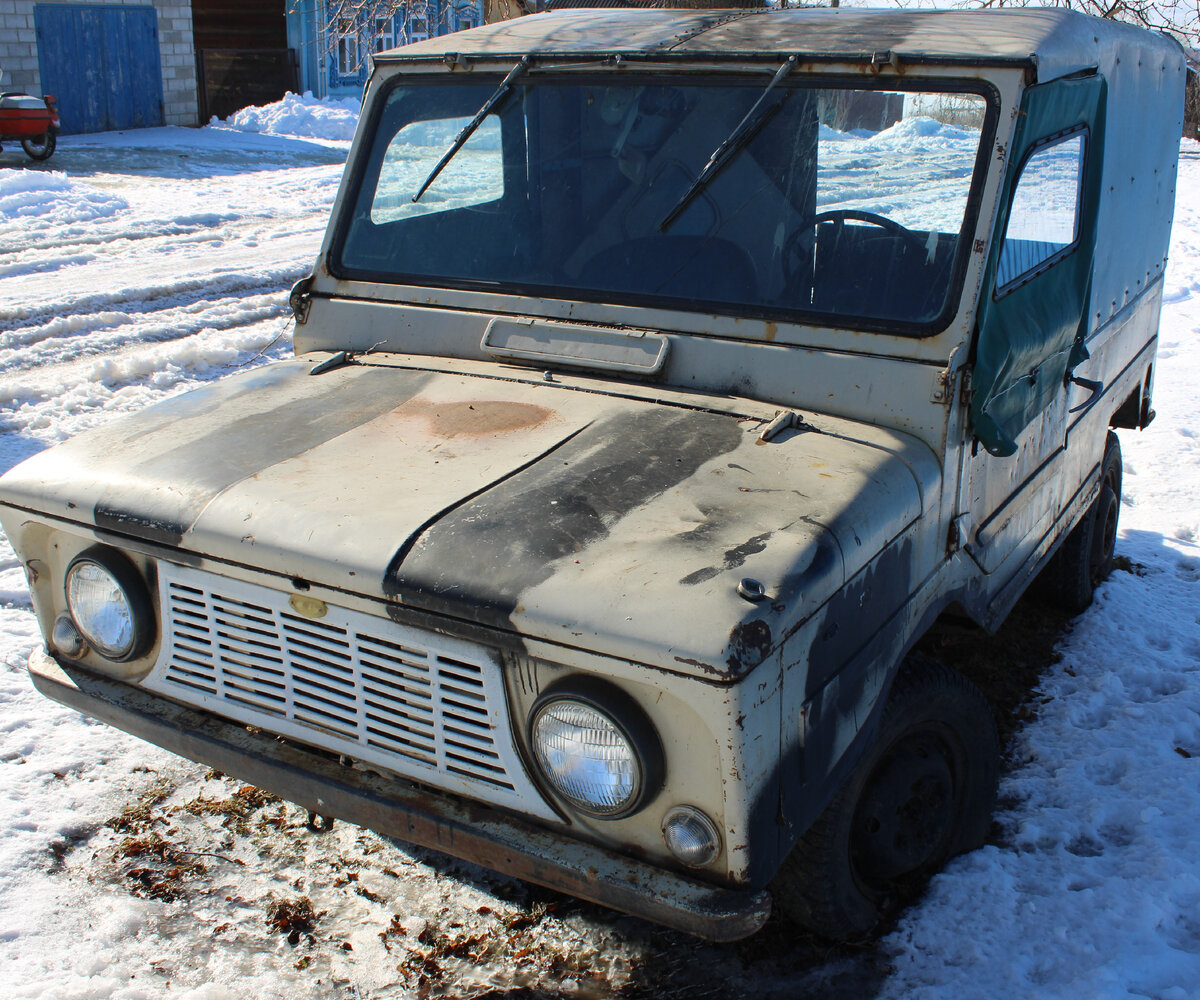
1043, 223
474, 176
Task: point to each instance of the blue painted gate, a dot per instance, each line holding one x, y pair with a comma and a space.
102, 64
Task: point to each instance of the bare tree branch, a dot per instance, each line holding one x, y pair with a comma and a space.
351, 31
1180, 18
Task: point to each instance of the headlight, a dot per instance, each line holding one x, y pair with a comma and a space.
596, 749
109, 604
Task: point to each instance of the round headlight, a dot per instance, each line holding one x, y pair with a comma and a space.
106, 600
602, 766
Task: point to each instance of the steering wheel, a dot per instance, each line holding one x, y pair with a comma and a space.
792, 258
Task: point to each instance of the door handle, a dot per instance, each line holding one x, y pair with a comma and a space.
1086, 383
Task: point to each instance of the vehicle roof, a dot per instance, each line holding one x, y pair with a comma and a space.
1051, 42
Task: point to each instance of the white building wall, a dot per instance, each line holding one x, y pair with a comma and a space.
19, 54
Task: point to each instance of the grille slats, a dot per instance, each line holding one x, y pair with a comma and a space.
424, 705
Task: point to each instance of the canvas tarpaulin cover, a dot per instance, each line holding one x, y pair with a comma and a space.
1031, 332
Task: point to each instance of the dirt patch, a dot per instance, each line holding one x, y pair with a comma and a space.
293, 917
503, 951
237, 809
162, 869
140, 815
779, 963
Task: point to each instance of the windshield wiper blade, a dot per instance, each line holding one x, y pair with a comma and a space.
468, 130
745, 130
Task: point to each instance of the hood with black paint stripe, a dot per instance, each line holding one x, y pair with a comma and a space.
613, 524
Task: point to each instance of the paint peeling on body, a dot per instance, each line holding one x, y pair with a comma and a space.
749, 644
455, 418
512, 535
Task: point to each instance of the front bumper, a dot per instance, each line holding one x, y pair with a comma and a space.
395, 808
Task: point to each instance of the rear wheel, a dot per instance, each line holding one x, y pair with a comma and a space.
922, 793
41, 147
1085, 558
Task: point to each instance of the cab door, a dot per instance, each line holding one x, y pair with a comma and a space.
1032, 321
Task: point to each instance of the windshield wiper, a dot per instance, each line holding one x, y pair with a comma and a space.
468, 130
745, 130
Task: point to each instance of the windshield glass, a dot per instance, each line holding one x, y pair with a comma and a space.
843, 205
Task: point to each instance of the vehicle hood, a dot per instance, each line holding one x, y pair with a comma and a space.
613, 524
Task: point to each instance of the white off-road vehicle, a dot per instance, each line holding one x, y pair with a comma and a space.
662, 377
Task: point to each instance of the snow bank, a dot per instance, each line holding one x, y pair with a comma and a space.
908, 132
917, 172
304, 116
53, 197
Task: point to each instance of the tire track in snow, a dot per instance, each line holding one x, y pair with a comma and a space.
169, 305
157, 292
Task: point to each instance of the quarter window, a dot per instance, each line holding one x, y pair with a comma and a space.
1043, 223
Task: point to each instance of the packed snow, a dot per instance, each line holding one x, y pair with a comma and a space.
134, 266
298, 115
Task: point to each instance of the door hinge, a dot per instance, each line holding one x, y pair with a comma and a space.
943, 389
960, 533
966, 391
300, 299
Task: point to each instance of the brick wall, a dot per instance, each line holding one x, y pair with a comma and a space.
19, 58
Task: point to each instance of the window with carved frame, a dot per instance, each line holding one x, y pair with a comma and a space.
348, 57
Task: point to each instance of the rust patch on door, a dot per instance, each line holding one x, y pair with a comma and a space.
476, 417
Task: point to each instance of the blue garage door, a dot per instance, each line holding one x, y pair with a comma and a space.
102, 64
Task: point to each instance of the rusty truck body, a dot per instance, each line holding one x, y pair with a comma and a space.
662, 377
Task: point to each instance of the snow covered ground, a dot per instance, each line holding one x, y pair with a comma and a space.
134, 266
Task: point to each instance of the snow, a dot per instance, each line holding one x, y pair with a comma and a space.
474, 176
303, 115
52, 200
917, 172
136, 265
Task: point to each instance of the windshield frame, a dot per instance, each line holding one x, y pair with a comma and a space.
421, 75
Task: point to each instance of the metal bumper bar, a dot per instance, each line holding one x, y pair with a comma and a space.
395, 808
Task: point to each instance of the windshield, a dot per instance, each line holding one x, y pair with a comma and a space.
844, 205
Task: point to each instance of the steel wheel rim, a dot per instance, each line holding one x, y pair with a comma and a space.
907, 814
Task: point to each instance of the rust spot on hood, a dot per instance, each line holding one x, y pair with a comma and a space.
749, 643
475, 418
700, 664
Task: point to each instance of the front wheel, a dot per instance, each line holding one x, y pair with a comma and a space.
41, 147
922, 793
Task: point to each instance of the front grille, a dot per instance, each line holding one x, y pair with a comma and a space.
423, 705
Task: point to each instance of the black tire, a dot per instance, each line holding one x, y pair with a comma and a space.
922, 793
41, 148
1085, 558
